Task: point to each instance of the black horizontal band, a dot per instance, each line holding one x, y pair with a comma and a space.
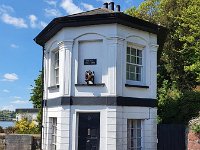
107, 101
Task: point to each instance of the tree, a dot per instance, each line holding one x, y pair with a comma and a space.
180, 58
179, 61
37, 96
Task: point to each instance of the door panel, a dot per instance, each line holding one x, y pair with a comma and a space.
88, 131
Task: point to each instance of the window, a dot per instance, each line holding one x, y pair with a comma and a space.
134, 135
54, 133
134, 63
56, 67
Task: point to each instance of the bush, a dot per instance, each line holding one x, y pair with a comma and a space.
194, 124
1, 129
175, 106
25, 126
9, 130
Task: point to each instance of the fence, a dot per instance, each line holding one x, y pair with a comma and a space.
171, 137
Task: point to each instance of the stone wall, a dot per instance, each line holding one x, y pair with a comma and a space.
193, 141
19, 141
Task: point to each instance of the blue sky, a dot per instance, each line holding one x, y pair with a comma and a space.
20, 56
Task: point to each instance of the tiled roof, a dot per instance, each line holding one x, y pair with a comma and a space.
93, 12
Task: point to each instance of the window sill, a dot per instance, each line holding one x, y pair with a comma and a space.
138, 86
97, 84
54, 87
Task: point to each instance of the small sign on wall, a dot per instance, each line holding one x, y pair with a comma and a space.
90, 61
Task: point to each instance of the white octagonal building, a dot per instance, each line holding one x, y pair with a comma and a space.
100, 79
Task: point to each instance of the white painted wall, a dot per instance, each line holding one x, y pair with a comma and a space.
114, 38
113, 126
112, 55
30, 116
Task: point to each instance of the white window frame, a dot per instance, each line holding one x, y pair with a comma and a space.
132, 141
56, 67
54, 77
53, 121
142, 65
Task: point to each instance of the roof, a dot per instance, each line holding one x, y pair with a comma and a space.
93, 12
27, 110
97, 17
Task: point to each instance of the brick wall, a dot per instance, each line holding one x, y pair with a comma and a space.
193, 141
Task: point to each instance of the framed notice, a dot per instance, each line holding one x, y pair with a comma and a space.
90, 61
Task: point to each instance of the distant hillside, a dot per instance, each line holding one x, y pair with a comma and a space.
7, 115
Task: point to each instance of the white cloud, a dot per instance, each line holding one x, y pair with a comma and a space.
6, 9
51, 2
70, 7
43, 24
6, 91
34, 23
14, 46
10, 77
17, 97
52, 12
33, 20
19, 102
17, 22
87, 6
9, 107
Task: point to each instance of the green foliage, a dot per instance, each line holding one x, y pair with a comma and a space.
7, 115
37, 96
195, 124
25, 126
179, 61
175, 106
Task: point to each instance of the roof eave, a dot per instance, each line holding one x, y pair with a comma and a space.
58, 23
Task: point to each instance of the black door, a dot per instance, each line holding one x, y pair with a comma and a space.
88, 131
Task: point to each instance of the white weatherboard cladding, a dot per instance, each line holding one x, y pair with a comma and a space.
112, 56
113, 126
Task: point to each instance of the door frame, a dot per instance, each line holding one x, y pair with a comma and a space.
75, 120
78, 117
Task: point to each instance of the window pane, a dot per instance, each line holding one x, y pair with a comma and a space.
128, 50
132, 76
133, 51
134, 123
139, 132
138, 69
133, 59
132, 68
139, 60
134, 133
138, 77
138, 124
127, 76
128, 58
139, 53
139, 142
